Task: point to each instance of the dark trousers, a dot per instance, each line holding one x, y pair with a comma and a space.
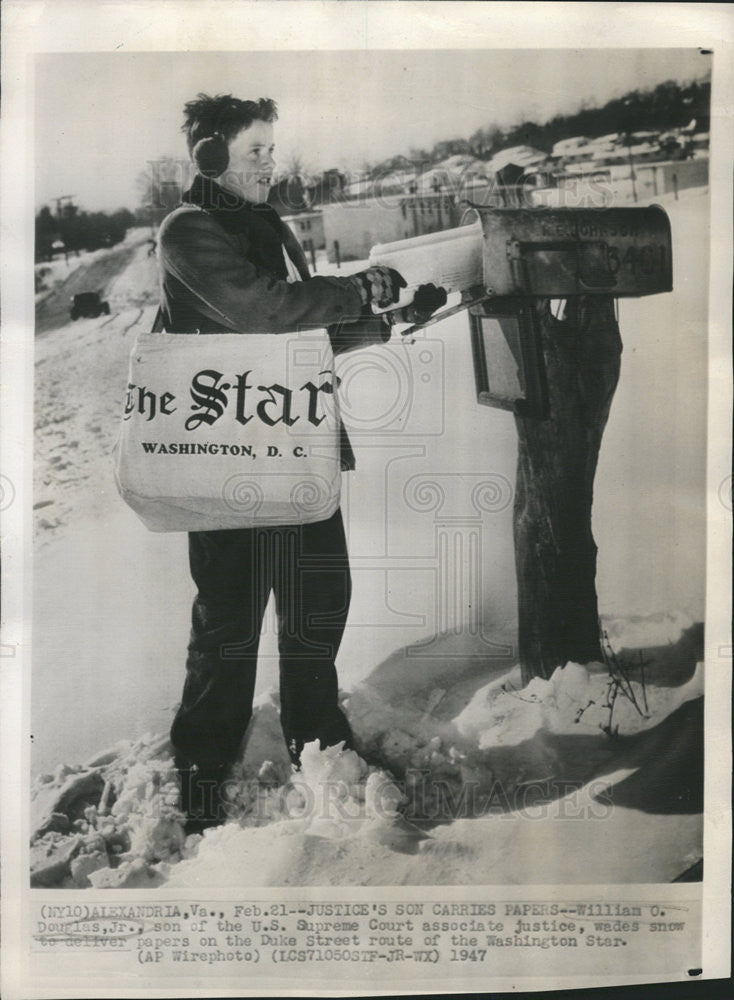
307, 568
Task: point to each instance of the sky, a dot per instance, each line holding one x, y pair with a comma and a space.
101, 117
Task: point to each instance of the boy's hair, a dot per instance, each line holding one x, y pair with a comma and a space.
225, 114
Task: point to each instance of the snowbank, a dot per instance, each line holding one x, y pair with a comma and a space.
486, 793
575, 698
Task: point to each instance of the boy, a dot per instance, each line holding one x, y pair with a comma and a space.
228, 264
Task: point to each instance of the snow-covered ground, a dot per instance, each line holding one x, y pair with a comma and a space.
427, 663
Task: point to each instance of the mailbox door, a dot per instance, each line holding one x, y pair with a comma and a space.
508, 364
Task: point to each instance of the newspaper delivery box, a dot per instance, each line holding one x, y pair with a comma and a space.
576, 251
506, 260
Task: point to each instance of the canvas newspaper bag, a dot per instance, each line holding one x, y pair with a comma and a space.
230, 430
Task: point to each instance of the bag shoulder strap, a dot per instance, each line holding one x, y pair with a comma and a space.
158, 323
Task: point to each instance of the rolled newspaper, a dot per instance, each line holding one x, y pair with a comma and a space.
451, 259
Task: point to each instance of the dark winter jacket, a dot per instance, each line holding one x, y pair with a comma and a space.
222, 270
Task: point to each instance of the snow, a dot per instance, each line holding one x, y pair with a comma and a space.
512, 780
462, 774
574, 699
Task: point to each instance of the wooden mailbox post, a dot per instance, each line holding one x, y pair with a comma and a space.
558, 374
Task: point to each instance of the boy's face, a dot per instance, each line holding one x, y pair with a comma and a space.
251, 163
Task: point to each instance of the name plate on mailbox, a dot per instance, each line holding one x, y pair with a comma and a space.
576, 251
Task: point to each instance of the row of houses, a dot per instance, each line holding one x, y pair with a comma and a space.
639, 147
577, 151
349, 229
403, 203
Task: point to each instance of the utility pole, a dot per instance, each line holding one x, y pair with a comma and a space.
60, 199
632, 168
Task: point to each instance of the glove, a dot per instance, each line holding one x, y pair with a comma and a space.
427, 299
380, 285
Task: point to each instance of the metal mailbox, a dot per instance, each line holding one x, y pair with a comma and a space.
529, 254
576, 251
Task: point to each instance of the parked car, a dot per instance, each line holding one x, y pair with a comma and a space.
89, 305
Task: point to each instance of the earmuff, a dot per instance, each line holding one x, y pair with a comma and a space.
211, 155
